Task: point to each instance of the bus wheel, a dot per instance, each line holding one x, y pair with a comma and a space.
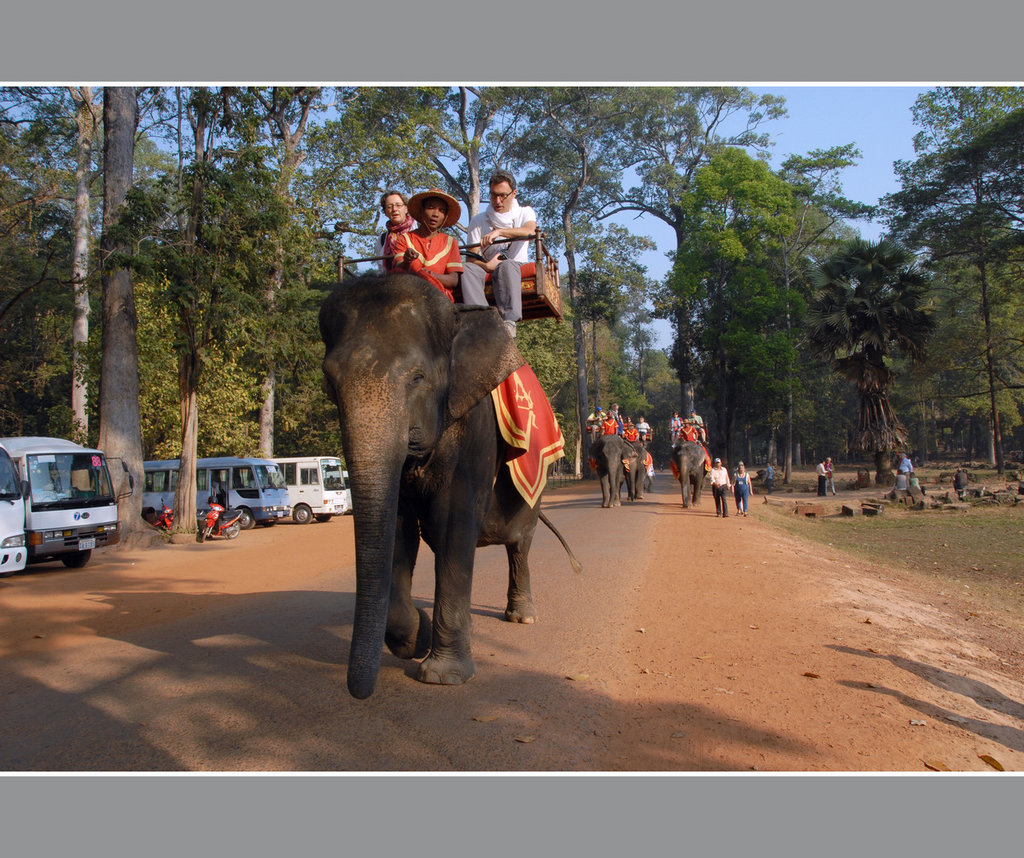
302, 514
76, 560
322, 518
246, 520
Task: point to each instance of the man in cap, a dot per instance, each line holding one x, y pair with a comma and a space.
426, 251
720, 485
504, 218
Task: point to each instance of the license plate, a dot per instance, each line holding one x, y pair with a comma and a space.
87, 544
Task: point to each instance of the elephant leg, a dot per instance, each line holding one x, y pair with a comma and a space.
408, 629
520, 607
450, 661
606, 489
684, 487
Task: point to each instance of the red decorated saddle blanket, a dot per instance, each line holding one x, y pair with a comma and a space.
529, 427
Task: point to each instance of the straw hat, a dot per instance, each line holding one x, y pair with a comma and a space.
454, 209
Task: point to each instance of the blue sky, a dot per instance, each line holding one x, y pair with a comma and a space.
875, 118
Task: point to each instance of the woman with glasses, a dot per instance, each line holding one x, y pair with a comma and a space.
399, 221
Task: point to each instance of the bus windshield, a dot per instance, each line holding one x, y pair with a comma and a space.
65, 480
330, 471
270, 477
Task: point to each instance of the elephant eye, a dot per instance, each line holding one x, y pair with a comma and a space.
416, 378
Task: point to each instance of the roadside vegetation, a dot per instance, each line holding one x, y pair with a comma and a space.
971, 559
210, 233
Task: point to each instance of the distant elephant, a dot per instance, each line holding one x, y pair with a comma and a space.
636, 469
606, 455
411, 374
688, 459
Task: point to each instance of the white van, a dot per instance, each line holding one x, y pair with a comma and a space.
316, 487
13, 554
70, 505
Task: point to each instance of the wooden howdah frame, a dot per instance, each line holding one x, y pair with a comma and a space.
542, 287
542, 295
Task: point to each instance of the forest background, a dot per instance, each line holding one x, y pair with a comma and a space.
239, 201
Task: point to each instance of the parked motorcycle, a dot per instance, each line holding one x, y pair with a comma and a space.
164, 521
218, 521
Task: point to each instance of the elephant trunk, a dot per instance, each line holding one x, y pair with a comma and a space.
374, 473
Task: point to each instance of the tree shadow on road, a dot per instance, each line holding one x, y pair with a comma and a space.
981, 693
256, 682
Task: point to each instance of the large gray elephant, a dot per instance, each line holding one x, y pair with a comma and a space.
689, 458
607, 454
411, 374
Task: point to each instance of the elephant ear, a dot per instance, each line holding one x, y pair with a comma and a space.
483, 356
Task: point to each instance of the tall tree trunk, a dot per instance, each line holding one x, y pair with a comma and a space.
578, 340
269, 389
186, 495
996, 456
120, 435
280, 124
85, 119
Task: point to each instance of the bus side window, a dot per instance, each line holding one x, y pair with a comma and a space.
309, 477
289, 473
242, 478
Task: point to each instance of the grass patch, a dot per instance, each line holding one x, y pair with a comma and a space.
975, 555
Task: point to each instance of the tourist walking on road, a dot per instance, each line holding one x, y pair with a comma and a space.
720, 484
741, 489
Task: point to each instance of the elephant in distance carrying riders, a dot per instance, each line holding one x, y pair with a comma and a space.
608, 453
688, 458
411, 374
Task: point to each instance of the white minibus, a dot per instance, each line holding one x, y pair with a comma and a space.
70, 506
13, 554
316, 487
253, 486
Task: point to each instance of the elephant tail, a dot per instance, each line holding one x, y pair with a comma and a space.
577, 567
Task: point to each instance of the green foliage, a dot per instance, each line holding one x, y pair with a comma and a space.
871, 304
241, 211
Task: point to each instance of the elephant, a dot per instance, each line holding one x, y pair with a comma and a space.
636, 473
688, 458
607, 454
410, 373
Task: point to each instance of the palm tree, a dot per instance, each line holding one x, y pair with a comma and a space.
870, 305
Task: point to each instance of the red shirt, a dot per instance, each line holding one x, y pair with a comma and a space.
438, 254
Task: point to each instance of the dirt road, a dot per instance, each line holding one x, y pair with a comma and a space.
688, 643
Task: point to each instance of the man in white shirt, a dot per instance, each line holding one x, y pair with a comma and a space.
720, 485
503, 218
644, 428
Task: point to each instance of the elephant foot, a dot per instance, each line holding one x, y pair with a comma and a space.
521, 611
446, 670
411, 644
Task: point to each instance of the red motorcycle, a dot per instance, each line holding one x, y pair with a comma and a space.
164, 521
218, 521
